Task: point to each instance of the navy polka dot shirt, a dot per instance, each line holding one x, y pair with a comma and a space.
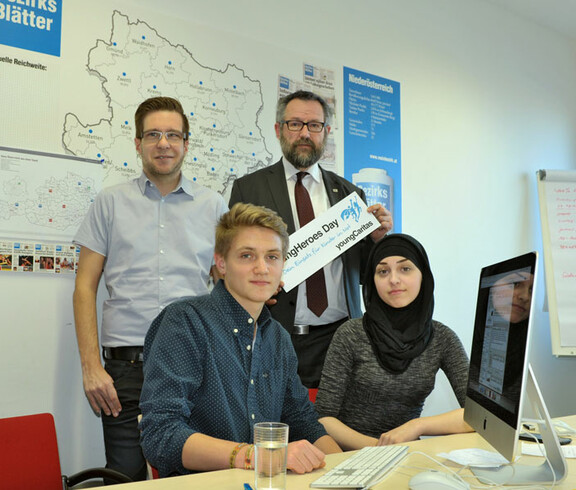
202, 373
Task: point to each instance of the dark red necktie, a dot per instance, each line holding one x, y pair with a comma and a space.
315, 284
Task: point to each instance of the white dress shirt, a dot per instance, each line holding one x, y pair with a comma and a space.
334, 271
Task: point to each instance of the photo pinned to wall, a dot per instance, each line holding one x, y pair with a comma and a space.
6, 260
65, 259
24, 256
43, 258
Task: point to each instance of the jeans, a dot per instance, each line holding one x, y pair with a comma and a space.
121, 434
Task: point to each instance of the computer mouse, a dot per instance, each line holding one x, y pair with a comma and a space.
437, 480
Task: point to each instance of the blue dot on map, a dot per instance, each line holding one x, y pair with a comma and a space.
143, 37
213, 104
213, 169
123, 73
200, 82
125, 164
90, 131
231, 151
114, 43
169, 62
154, 87
211, 149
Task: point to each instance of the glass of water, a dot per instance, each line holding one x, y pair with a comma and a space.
271, 443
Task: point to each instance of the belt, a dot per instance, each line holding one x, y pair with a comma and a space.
134, 354
305, 329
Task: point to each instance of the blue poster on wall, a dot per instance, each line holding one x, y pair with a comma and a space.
372, 147
30, 25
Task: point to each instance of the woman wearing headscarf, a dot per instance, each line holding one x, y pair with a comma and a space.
380, 368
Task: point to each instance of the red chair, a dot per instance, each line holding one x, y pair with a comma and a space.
29, 456
151, 471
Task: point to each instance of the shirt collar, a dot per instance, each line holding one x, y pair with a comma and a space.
185, 185
290, 171
234, 310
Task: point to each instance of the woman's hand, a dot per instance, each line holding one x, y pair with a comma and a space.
409, 431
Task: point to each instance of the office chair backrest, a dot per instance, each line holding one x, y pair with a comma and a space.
29, 453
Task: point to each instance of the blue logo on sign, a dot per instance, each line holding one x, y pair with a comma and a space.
352, 211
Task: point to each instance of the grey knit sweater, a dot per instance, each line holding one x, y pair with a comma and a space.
358, 392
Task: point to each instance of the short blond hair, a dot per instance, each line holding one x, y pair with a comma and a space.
243, 215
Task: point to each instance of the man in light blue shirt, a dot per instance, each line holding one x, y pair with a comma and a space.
152, 238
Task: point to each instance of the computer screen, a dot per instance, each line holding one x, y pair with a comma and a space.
499, 375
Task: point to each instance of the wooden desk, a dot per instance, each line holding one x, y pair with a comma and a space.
397, 479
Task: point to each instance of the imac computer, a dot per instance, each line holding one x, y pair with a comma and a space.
502, 388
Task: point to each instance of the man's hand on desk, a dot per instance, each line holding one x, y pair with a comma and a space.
304, 457
385, 219
100, 391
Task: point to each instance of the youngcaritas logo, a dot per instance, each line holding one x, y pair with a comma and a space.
352, 211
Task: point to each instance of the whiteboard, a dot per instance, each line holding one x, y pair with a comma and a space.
557, 195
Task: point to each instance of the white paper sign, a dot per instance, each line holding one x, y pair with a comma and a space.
322, 240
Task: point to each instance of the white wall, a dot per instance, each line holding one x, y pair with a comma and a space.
487, 99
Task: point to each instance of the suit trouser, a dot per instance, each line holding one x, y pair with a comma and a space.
311, 350
121, 434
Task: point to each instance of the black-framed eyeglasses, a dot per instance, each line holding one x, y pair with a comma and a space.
155, 136
313, 126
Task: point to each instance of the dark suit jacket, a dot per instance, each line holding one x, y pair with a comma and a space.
267, 187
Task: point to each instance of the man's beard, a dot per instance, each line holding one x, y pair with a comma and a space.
302, 159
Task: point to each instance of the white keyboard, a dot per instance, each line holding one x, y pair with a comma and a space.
362, 469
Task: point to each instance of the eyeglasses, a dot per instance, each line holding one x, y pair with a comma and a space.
313, 126
155, 136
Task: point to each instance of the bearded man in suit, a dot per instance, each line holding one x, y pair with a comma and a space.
302, 127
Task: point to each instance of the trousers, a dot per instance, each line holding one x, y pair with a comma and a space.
121, 434
311, 351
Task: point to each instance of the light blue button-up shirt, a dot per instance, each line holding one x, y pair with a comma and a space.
158, 249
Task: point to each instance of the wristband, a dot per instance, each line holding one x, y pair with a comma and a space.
248, 458
234, 453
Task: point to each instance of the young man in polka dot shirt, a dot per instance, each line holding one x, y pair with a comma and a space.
215, 365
